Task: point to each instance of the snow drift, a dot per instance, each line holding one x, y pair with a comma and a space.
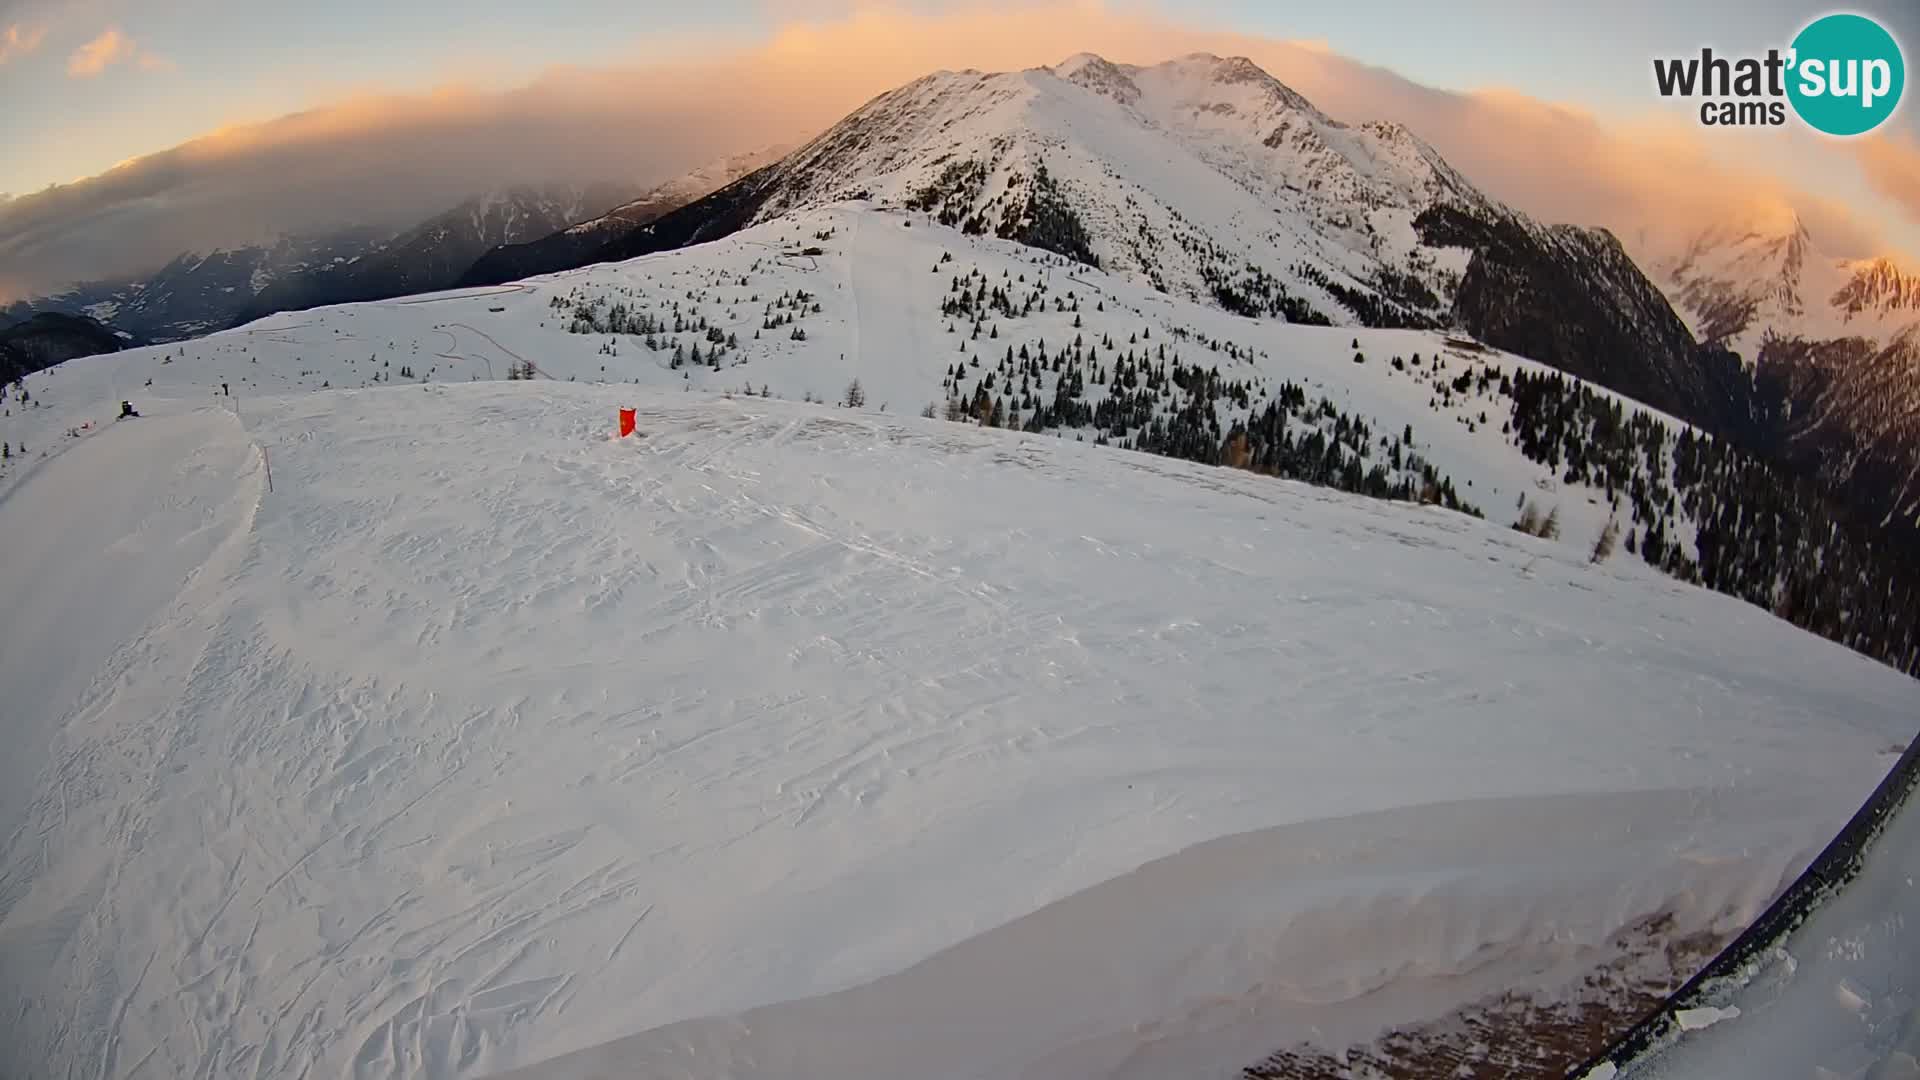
486, 738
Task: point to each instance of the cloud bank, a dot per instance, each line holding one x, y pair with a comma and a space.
1892, 165
101, 53
393, 160
18, 40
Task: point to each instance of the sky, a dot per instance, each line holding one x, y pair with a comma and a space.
211, 100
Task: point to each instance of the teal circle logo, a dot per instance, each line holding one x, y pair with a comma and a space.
1847, 74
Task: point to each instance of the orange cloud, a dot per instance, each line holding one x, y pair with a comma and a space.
96, 56
1652, 182
18, 40
385, 158
1892, 165
1554, 161
113, 47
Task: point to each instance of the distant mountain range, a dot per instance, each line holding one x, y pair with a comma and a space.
198, 293
1210, 180
50, 337
577, 244
434, 254
1740, 284
1833, 348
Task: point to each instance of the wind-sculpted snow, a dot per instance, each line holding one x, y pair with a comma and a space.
484, 737
1330, 931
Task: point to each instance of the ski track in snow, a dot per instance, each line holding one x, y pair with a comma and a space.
486, 738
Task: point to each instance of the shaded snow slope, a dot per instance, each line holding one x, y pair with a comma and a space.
495, 738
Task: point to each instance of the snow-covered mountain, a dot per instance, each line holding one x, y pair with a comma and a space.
1203, 176
199, 292
1734, 283
572, 246
386, 720
386, 717
1833, 346
51, 337
1210, 180
676, 193
1739, 284
1880, 290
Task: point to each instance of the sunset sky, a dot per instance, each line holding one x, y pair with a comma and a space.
91, 83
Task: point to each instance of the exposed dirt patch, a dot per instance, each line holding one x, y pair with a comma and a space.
1518, 1036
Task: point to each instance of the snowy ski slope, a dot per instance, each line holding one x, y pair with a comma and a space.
879, 282
787, 740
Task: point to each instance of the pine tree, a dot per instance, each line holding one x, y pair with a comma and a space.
1529, 522
1603, 544
855, 397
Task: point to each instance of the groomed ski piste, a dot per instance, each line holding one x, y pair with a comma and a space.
789, 740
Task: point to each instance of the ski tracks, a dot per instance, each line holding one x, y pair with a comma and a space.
483, 744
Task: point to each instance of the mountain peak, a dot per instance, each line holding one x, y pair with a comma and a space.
1234, 82
1234, 68
1760, 274
1878, 285
1203, 175
1100, 75
1083, 61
